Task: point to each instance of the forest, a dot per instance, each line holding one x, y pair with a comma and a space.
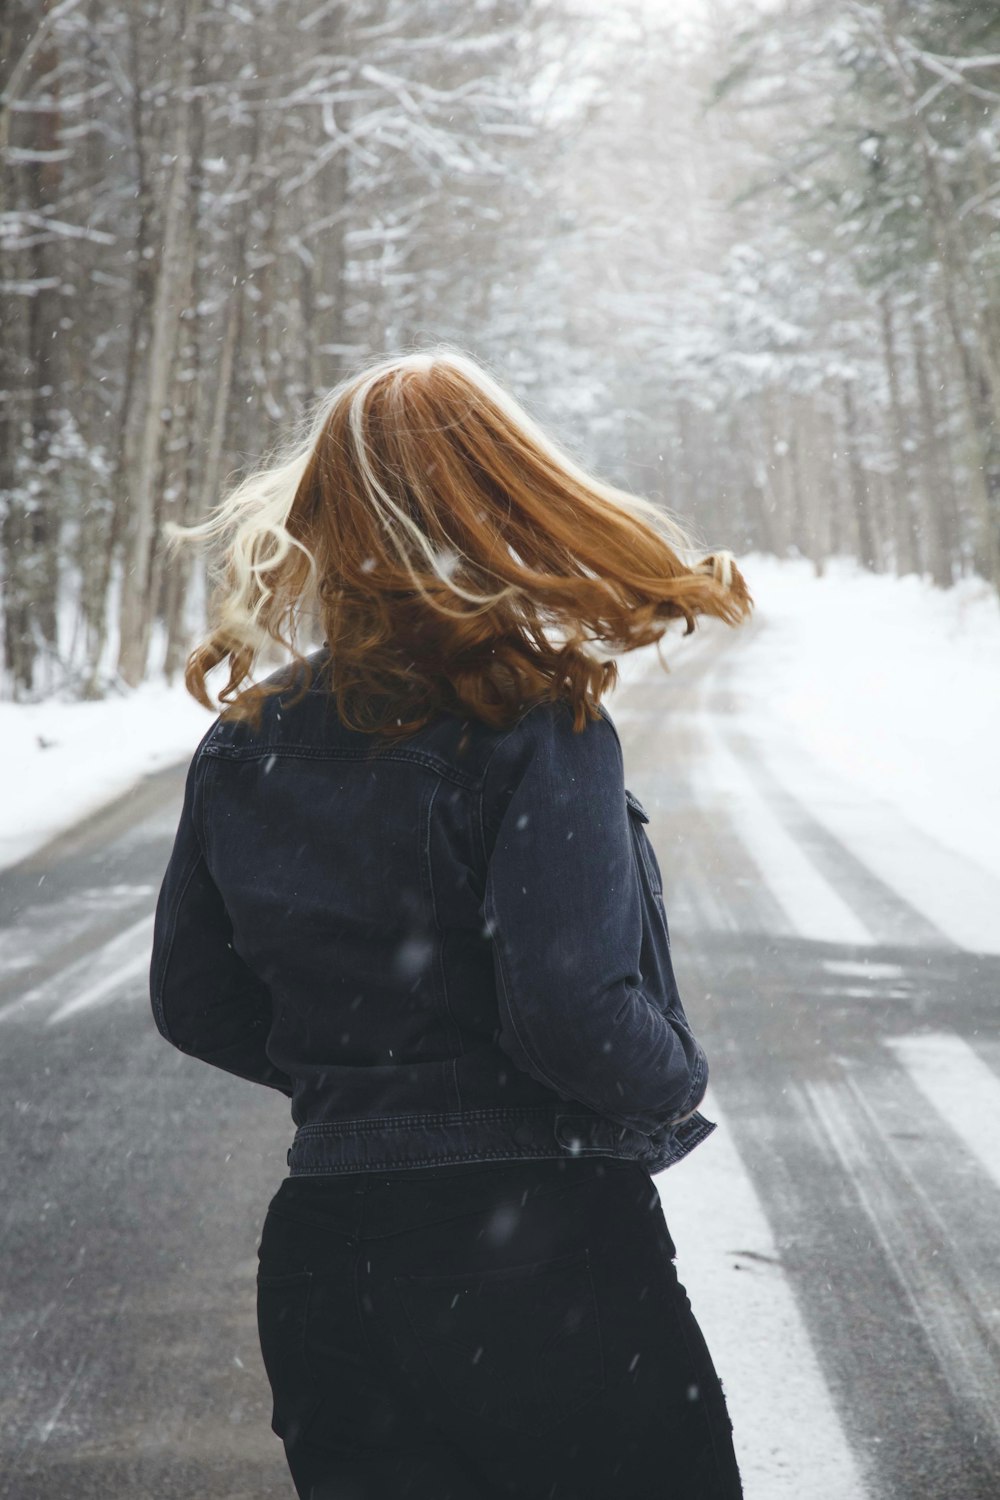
744, 261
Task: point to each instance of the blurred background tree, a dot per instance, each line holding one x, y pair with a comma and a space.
745, 262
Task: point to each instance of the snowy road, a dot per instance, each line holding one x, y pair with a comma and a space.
837, 1233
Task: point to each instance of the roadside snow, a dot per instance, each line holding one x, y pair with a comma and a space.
890, 683
61, 761
868, 707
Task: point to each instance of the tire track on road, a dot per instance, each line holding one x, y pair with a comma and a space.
893, 1305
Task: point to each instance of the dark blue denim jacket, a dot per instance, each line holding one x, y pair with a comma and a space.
452, 948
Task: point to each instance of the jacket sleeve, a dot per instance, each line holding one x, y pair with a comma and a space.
206, 1001
564, 909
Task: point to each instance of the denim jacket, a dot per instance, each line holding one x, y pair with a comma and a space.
452, 948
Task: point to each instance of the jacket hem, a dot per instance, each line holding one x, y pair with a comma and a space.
386, 1143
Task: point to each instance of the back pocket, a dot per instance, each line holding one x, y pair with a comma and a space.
282, 1310
517, 1347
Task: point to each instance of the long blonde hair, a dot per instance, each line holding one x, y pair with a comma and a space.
420, 514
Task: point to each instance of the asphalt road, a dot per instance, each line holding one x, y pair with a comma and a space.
885, 1222
135, 1180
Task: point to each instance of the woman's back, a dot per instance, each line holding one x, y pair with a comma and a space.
402, 922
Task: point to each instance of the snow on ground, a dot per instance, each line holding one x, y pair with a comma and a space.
60, 761
892, 684
874, 704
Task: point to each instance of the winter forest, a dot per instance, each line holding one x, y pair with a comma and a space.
740, 258
745, 263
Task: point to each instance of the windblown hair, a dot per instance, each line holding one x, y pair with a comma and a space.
456, 559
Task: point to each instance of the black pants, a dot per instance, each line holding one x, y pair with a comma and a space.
484, 1330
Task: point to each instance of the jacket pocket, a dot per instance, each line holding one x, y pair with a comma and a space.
582, 1133
518, 1347
636, 806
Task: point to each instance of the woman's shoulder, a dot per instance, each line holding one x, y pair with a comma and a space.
557, 717
547, 733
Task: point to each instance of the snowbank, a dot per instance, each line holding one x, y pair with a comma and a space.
60, 761
891, 683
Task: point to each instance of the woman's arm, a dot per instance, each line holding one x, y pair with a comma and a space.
564, 908
205, 999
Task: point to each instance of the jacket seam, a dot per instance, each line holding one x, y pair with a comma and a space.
201, 791
485, 776
500, 744
311, 752
378, 1122
482, 785
451, 1027
480, 825
524, 1153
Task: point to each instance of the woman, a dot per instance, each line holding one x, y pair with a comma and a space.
411, 891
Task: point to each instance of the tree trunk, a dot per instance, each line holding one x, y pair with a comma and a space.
977, 361
30, 358
136, 608
908, 555
935, 539
868, 553
211, 475
811, 528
